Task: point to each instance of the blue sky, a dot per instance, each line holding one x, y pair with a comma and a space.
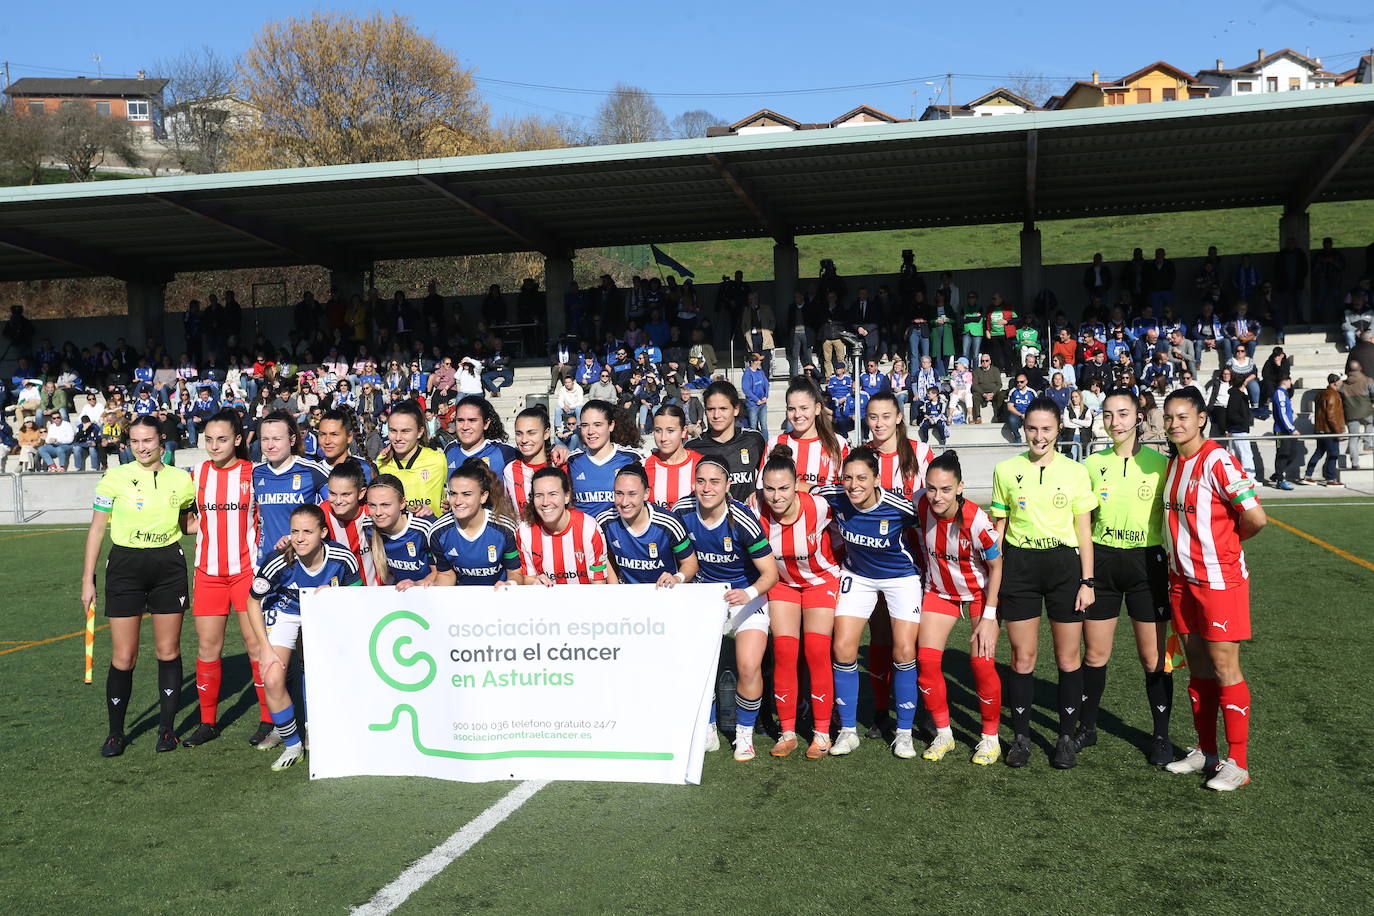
692, 54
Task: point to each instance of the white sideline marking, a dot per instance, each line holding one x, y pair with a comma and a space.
467, 836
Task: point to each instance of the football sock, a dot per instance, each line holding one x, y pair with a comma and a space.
748, 712
1070, 699
286, 726
847, 692
817, 649
119, 686
904, 693
1159, 690
1094, 685
264, 714
1235, 715
1204, 693
880, 676
168, 692
1020, 692
208, 676
989, 688
785, 650
932, 681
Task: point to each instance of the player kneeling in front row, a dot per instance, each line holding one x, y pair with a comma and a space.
1210, 506
964, 565
274, 611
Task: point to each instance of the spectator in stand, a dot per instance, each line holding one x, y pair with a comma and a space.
1328, 278
442, 384
1217, 391
1245, 374
926, 376
589, 371
1000, 333
19, 331
834, 325
872, 381
58, 436
1277, 367
1018, 399
603, 388
1241, 330
1179, 352
839, 385
942, 337
1245, 279
802, 321
868, 319
973, 321
1159, 280
30, 441
1158, 370
898, 382
1035, 374
562, 361
469, 378
1065, 347
1152, 417
1070, 374
1363, 351
1078, 425
567, 435
1118, 344
918, 326
1131, 287
1059, 391
1028, 341
8, 445
694, 410
754, 390
1357, 402
757, 325
1328, 417
203, 408
1287, 455
1240, 419
1145, 321
1290, 282
493, 310
987, 388
961, 392
569, 398
1358, 317
1146, 348
497, 372
702, 353
933, 411
1097, 279
656, 328
1208, 335
371, 401
86, 444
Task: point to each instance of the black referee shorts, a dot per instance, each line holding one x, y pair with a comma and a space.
145, 579
1031, 578
1140, 575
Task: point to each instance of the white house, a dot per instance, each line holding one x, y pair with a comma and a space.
999, 101
1279, 71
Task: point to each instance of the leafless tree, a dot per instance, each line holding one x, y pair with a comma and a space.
693, 123
25, 142
83, 139
198, 108
1034, 87
630, 115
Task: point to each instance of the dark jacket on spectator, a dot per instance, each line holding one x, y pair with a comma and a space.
1239, 417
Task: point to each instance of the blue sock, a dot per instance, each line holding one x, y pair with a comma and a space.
712, 720
904, 693
748, 711
847, 693
286, 726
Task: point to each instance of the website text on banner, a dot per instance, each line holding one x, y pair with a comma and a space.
475, 684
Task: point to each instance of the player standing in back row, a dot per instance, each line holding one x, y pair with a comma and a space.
1210, 506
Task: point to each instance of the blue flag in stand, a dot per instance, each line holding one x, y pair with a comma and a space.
661, 258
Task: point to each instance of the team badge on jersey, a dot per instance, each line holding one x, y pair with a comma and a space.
491, 553
1145, 493
295, 481
1060, 500
744, 457
138, 504
245, 486
424, 474
653, 549
1104, 494
729, 544
882, 527
410, 548
261, 585
333, 581
487, 460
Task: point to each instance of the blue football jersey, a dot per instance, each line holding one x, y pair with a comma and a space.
593, 482
279, 491
496, 454
873, 543
641, 558
726, 551
277, 583
407, 552
483, 560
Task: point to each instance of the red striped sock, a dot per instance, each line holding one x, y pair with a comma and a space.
265, 715
785, 649
989, 687
817, 649
1235, 715
1205, 694
932, 681
208, 675
880, 675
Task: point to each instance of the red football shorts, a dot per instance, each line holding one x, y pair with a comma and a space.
1219, 615
808, 596
214, 594
932, 603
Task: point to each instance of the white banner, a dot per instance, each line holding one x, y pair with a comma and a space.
473, 684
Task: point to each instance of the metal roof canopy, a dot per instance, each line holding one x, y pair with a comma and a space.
1289, 149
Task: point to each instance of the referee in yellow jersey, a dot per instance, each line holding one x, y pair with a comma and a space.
146, 505
421, 469
1042, 503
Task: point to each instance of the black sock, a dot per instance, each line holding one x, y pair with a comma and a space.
1159, 690
168, 692
119, 686
1094, 683
1020, 692
1070, 699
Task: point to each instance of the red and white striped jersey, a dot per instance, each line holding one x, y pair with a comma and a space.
575, 554
351, 535
814, 466
805, 553
519, 476
228, 518
890, 477
954, 549
670, 482
1203, 498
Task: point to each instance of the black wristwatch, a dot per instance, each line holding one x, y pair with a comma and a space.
1089, 582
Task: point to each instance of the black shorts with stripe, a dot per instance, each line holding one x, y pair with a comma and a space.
1137, 575
145, 580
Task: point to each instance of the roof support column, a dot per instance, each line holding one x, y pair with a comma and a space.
1030, 267
786, 273
558, 273
1296, 225
147, 301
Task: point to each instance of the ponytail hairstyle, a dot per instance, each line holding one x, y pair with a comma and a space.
947, 461
908, 465
1129, 395
495, 492
285, 416
867, 456
236, 424
379, 545
351, 470
530, 515
825, 427
780, 459
624, 428
317, 516
492, 427
411, 408
146, 420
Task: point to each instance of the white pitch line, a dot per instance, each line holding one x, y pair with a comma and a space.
439, 858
